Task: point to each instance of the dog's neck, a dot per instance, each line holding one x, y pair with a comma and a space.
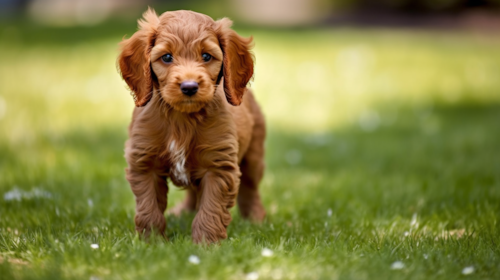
181, 126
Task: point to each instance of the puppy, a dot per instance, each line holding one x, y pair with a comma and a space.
195, 122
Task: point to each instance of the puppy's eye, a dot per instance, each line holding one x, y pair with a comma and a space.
206, 57
167, 58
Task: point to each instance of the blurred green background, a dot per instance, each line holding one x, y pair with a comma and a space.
384, 129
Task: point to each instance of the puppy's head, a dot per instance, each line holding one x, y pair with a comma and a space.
183, 54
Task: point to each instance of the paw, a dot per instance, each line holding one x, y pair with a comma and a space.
257, 214
146, 224
204, 233
254, 212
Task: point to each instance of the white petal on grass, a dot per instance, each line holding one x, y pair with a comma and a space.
18, 194
397, 265
14, 194
194, 259
252, 276
329, 212
414, 220
94, 246
267, 252
468, 270
426, 256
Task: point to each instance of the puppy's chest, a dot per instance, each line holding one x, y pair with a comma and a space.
178, 164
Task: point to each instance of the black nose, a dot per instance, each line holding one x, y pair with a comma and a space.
189, 87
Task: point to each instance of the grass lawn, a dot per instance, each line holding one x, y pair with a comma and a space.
383, 160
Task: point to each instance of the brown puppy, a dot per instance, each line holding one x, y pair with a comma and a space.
184, 129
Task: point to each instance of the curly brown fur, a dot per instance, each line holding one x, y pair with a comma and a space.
202, 142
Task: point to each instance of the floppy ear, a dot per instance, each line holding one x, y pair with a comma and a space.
134, 60
237, 62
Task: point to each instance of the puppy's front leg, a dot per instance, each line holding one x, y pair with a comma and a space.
218, 192
150, 190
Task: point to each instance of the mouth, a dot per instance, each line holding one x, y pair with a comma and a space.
188, 101
188, 106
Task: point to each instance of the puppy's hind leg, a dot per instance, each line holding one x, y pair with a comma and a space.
252, 169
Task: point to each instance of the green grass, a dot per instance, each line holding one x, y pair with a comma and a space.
383, 146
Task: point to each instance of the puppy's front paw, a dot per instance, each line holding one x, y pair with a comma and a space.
154, 222
207, 232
